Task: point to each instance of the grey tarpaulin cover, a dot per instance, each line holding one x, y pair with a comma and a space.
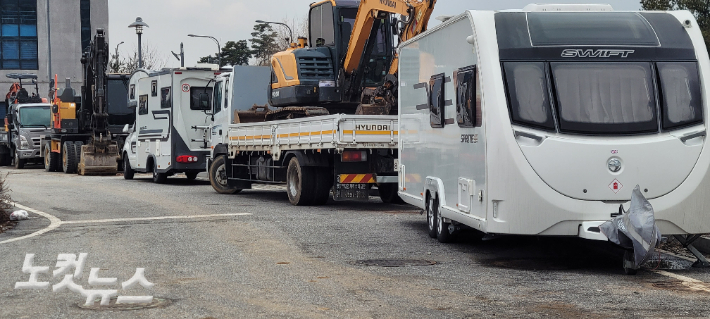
635, 229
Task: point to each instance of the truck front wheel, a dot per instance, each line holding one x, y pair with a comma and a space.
300, 183
218, 176
19, 163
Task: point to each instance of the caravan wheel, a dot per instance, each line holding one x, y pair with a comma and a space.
431, 217
442, 228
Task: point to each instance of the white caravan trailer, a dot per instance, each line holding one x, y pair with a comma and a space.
542, 121
172, 109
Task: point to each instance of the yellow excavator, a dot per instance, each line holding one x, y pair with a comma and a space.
350, 66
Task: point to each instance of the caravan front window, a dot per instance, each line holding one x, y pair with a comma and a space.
605, 97
680, 89
529, 96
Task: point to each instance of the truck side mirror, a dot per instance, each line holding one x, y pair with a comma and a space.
132, 104
55, 108
126, 128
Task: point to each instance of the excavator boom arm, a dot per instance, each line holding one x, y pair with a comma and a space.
417, 12
367, 13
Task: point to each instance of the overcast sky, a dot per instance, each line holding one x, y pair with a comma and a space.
229, 20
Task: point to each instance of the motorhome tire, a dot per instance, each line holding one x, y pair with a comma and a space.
218, 176
128, 172
300, 183
324, 182
69, 158
431, 216
442, 229
388, 193
191, 176
159, 178
19, 163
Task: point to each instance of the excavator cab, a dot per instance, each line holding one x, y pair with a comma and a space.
314, 76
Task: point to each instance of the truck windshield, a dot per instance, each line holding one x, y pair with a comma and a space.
117, 99
35, 116
604, 97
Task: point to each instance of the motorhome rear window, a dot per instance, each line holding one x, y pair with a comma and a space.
605, 97
195, 98
584, 28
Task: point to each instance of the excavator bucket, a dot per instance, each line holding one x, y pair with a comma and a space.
98, 161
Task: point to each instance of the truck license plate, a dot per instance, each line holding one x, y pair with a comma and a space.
351, 191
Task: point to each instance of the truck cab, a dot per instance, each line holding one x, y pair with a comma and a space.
29, 123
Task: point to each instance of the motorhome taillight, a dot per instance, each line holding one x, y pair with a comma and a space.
187, 159
178, 72
354, 156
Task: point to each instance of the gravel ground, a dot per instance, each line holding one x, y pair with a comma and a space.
310, 262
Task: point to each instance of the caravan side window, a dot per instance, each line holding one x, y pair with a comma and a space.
437, 101
143, 104
468, 97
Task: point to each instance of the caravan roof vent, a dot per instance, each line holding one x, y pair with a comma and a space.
568, 7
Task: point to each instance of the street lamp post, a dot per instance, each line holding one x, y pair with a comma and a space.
118, 45
139, 24
279, 23
219, 47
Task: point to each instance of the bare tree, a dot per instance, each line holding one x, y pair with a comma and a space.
152, 60
299, 27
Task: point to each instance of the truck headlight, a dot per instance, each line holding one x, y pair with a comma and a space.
23, 143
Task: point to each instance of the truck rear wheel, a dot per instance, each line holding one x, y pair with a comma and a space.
218, 176
388, 193
128, 172
324, 182
69, 158
300, 183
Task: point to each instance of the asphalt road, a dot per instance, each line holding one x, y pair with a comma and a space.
253, 255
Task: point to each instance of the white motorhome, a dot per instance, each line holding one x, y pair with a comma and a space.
542, 121
172, 108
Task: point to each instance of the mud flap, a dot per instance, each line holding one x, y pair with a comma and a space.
98, 161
